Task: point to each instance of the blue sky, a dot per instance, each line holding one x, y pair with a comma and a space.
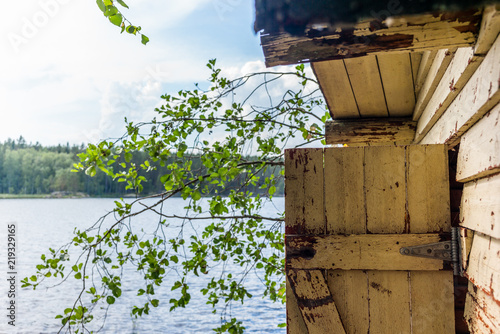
68, 75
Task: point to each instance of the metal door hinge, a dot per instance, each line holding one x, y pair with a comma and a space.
444, 250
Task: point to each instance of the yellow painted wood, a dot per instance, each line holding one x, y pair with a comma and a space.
427, 177
482, 313
484, 265
385, 189
431, 295
294, 322
336, 87
315, 301
490, 27
350, 293
425, 65
480, 94
436, 71
459, 71
370, 132
304, 191
389, 295
344, 191
361, 252
345, 214
397, 79
479, 153
367, 86
415, 58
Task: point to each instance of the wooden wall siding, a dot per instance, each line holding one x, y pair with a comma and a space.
484, 267
365, 192
480, 210
371, 132
411, 33
479, 153
458, 72
490, 26
436, 71
480, 94
423, 69
370, 86
478, 306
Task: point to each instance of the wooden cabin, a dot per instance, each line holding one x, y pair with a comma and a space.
399, 231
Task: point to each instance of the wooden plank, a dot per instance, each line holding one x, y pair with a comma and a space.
351, 299
385, 184
389, 295
294, 322
490, 27
415, 59
344, 191
304, 205
432, 294
359, 252
315, 301
436, 71
484, 265
479, 95
480, 209
383, 131
397, 80
423, 70
303, 199
459, 71
482, 313
479, 153
405, 33
367, 86
427, 177
345, 214
336, 87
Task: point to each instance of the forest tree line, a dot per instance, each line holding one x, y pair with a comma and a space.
33, 169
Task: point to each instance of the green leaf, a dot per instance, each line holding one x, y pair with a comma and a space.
108, 2
196, 195
144, 39
116, 19
122, 3
101, 5
110, 300
155, 302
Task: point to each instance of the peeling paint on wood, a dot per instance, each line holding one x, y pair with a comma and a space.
382, 131
371, 37
361, 252
479, 153
480, 209
480, 94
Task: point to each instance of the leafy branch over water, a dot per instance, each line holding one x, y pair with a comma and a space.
222, 127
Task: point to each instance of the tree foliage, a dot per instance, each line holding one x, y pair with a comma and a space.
238, 129
116, 17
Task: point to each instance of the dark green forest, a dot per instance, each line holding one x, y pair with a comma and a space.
33, 169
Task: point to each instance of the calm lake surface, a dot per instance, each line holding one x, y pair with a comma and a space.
44, 223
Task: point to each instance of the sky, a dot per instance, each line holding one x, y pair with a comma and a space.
68, 75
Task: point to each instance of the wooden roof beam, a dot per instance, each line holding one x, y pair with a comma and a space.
395, 34
363, 132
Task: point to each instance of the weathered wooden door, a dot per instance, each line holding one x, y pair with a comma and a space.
348, 211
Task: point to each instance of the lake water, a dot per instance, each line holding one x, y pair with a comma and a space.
44, 223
